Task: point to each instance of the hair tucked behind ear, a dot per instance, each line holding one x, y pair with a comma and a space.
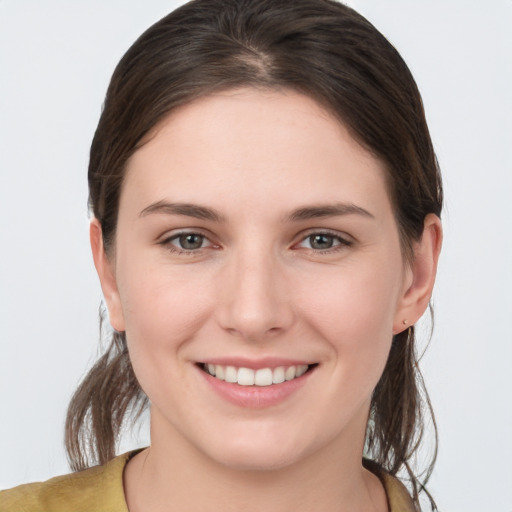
396, 425
319, 48
106, 395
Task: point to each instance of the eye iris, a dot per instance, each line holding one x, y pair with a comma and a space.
191, 241
321, 241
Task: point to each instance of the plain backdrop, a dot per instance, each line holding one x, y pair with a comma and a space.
56, 58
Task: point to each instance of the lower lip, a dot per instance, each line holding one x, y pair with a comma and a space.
255, 397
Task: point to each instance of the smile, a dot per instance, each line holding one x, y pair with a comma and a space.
260, 377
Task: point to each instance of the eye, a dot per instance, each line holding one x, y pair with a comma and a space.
324, 242
190, 241
186, 242
321, 241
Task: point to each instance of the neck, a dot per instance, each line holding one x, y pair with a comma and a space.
173, 475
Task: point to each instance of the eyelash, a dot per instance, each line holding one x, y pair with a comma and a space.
340, 245
167, 242
341, 242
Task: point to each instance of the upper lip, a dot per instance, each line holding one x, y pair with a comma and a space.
255, 364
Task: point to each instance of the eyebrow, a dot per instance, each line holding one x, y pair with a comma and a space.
187, 209
300, 214
328, 210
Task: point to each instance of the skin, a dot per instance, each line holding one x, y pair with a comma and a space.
258, 287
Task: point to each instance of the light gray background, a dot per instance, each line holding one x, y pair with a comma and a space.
56, 58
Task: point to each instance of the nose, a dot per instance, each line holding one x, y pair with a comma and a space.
255, 303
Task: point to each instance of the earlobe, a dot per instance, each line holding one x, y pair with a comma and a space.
423, 269
106, 274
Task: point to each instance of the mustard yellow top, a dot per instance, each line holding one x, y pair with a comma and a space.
100, 489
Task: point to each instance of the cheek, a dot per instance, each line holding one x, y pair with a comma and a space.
362, 303
354, 316
162, 310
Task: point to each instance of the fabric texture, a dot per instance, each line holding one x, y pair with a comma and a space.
100, 489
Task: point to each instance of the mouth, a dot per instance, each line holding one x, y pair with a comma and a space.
261, 377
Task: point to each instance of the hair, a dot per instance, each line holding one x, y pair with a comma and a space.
319, 48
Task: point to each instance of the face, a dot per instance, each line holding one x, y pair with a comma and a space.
256, 241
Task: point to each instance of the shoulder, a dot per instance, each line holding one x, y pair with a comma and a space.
99, 488
399, 499
398, 496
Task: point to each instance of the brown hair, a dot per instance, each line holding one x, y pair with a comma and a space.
317, 47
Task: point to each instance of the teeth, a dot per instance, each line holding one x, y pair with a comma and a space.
219, 372
301, 370
278, 375
246, 377
231, 375
261, 377
290, 372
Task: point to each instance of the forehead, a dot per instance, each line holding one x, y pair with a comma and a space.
242, 146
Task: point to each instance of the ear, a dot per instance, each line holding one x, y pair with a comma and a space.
106, 273
421, 275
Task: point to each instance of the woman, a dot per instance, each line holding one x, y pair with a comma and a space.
266, 232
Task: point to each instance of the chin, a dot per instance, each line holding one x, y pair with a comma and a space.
258, 460
253, 452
